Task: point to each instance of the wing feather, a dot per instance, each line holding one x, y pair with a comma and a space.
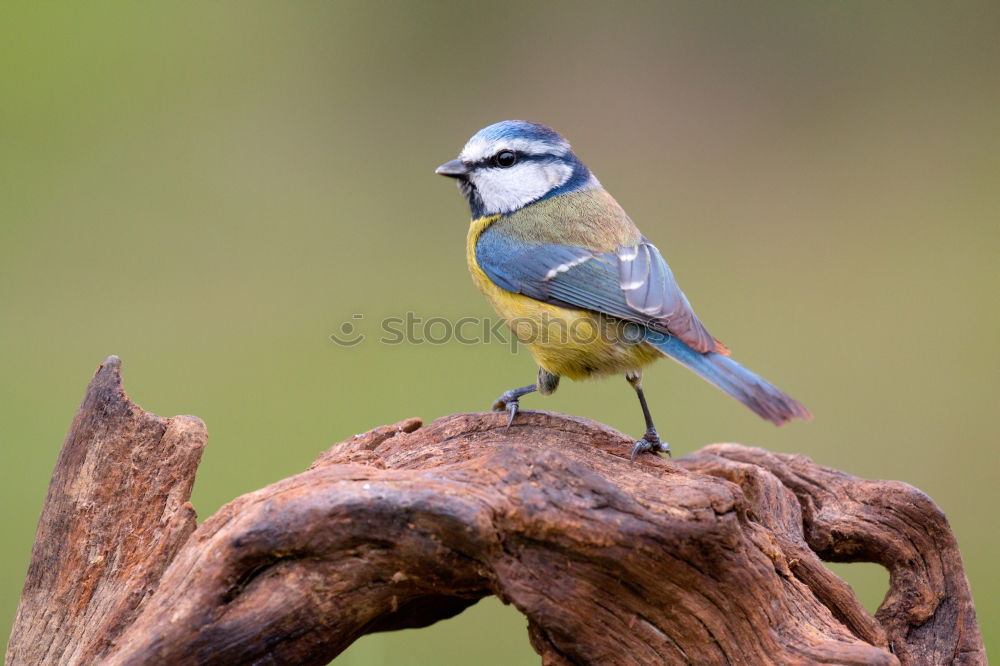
634, 283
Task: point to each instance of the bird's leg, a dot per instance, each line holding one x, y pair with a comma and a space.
508, 400
651, 440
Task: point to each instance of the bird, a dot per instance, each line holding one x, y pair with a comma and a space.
577, 282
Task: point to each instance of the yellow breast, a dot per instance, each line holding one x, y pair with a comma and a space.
574, 343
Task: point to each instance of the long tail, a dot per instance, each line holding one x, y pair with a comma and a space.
763, 397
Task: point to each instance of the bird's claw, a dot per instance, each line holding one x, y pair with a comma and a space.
507, 403
650, 442
512, 407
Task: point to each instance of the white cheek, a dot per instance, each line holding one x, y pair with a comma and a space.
557, 174
506, 190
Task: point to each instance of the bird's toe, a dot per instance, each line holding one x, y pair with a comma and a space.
650, 442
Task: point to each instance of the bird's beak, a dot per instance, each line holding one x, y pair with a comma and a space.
452, 169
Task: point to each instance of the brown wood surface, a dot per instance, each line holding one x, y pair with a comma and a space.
115, 516
714, 558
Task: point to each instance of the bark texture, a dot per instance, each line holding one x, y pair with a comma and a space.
115, 516
711, 559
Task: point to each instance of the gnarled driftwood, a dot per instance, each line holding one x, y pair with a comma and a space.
714, 558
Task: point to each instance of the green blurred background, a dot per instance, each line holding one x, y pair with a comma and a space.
210, 189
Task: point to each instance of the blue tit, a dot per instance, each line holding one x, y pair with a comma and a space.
577, 282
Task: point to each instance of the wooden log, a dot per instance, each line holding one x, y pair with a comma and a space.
714, 558
116, 513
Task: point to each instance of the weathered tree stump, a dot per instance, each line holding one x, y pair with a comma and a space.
711, 559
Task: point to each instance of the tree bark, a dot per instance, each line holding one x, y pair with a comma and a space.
715, 558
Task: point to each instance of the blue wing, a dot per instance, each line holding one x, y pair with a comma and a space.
633, 283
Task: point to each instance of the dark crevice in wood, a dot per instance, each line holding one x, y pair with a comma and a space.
265, 562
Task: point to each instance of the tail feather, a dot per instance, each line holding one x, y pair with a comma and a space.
764, 398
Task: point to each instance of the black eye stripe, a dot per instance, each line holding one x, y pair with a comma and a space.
488, 162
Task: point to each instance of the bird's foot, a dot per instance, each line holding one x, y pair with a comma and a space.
650, 442
507, 402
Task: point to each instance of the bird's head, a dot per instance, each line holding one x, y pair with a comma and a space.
513, 163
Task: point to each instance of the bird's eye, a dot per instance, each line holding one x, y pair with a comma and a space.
505, 159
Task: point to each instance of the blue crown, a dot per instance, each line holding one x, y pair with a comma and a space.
520, 129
